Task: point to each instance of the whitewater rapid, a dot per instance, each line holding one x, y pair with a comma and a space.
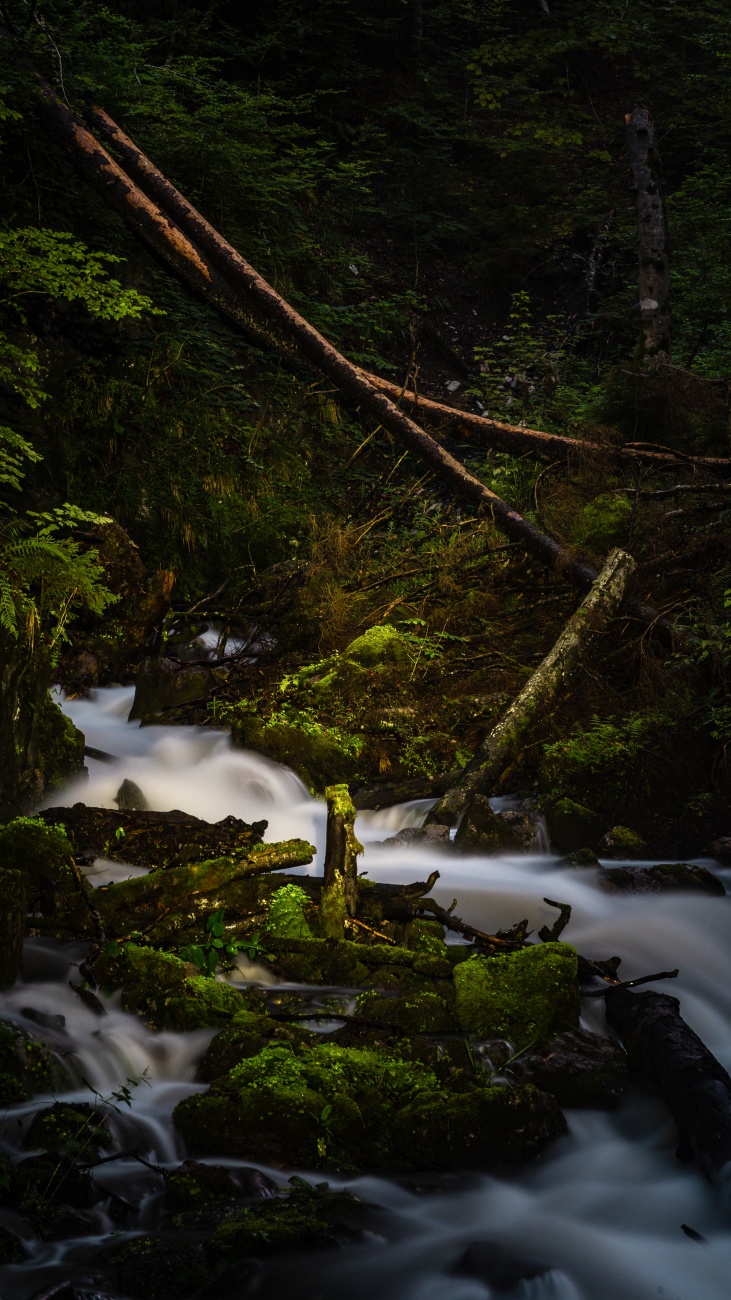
604, 1205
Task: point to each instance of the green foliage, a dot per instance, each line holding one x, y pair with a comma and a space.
216, 949
286, 915
600, 755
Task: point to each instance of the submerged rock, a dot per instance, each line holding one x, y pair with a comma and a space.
526, 996
660, 878
129, 798
498, 1267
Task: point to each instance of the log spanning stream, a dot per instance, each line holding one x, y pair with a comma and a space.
603, 1207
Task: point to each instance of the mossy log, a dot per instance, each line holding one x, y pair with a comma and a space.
693, 1084
539, 694
167, 903
339, 898
195, 251
151, 839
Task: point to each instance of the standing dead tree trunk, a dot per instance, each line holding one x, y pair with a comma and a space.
651, 234
540, 692
339, 898
693, 1084
226, 280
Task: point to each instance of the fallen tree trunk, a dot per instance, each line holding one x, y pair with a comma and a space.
548, 446
506, 437
150, 839
540, 692
244, 294
693, 1084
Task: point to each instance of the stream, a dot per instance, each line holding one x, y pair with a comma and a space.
604, 1205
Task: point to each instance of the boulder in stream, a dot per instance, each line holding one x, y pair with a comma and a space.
660, 878
526, 996
484, 831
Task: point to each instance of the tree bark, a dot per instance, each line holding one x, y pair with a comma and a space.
339, 898
651, 234
693, 1084
539, 694
241, 294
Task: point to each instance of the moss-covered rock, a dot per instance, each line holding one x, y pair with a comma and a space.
68, 1129
152, 1268
287, 913
27, 1067
168, 992
621, 842
571, 826
422, 1012
249, 1032
379, 646
341, 1107
581, 858
477, 1130
29, 845
525, 996
192, 1185
320, 755
60, 745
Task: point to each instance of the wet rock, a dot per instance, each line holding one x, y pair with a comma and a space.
477, 1130
526, 996
571, 826
578, 1068
59, 1222
129, 798
44, 1018
11, 1248
498, 1267
163, 685
152, 1268
427, 837
581, 858
484, 831
621, 842
661, 878
13, 910
68, 1128
38, 1181
27, 1067
192, 1185
721, 848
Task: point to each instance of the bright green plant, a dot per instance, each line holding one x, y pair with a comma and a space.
215, 948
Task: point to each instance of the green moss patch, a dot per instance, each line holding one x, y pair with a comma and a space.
525, 996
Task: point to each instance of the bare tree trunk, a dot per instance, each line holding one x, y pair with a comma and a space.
540, 692
241, 294
339, 898
651, 234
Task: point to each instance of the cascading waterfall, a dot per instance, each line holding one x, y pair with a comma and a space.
604, 1205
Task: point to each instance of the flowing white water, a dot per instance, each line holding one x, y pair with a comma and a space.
605, 1204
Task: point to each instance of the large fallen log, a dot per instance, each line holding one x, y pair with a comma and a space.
501, 435
693, 1084
243, 295
150, 839
540, 692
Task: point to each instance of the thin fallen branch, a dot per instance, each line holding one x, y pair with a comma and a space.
629, 984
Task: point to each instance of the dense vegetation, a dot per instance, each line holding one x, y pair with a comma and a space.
441, 186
